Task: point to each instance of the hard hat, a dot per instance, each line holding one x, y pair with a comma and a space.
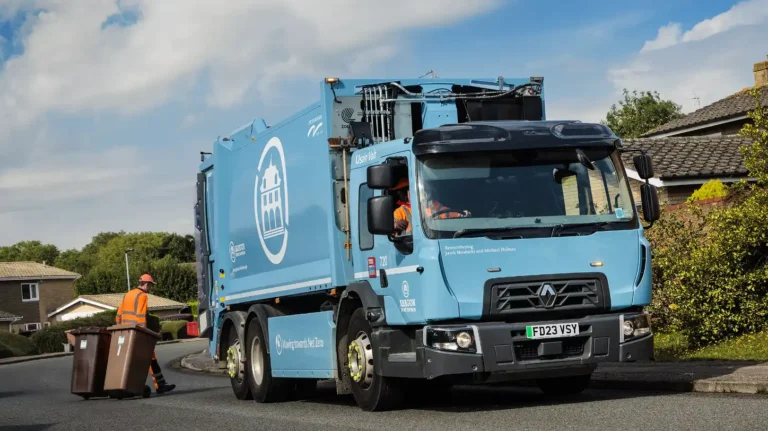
146, 278
403, 184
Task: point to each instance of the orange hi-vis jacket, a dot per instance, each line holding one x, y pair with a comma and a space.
404, 213
133, 309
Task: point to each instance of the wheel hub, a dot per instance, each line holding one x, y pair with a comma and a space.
360, 360
257, 361
234, 361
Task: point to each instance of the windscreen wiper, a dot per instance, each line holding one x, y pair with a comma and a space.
595, 226
496, 231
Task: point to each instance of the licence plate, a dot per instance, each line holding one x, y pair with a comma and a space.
552, 331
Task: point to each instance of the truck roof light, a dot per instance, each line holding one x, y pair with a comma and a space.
331, 80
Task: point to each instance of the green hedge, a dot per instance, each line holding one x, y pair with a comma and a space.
53, 338
175, 328
12, 345
710, 271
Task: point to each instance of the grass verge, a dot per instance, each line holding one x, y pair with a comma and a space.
750, 347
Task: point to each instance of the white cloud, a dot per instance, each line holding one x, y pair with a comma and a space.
64, 186
668, 35
72, 64
710, 61
746, 13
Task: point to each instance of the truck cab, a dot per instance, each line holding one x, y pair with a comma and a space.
443, 231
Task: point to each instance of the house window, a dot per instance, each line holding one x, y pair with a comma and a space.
29, 292
32, 326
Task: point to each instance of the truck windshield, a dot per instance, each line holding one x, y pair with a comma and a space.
542, 191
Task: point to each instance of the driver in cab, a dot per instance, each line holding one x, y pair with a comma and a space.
403, 212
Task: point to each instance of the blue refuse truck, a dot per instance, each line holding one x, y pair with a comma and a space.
522, 255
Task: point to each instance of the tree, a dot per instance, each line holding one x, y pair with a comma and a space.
756, 154
640, 113
29, 251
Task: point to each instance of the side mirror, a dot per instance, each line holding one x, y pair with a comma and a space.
380, 177
643, 166
381, 215
650, 199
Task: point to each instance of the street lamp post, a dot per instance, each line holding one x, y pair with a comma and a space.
127, 271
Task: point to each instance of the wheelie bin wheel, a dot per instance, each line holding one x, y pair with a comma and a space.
147, 392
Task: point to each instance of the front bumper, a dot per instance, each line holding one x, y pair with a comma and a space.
504, 348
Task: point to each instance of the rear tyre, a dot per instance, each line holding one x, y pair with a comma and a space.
236, 366
372, 392
264, 388
560, 386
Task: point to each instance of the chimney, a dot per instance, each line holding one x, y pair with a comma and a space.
761, 73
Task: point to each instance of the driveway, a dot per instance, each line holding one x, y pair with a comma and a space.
35, 396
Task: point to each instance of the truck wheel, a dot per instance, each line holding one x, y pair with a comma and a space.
264, 387
236, 367
372, 392
570, 385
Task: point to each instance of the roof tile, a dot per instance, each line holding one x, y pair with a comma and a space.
692, 156
154, 302
29, 270
734, 105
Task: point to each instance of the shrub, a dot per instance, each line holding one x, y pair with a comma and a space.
15, 345
721, 288
176, 328
710, 269
53, 338
193, 308
711, 189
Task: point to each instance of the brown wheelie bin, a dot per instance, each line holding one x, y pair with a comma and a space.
130, 355
89, 364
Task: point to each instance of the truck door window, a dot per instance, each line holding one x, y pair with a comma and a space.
366, 238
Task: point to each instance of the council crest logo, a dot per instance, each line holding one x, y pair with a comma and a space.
279, 344
270, 201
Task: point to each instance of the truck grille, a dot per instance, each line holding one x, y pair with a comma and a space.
529, 350
541, 296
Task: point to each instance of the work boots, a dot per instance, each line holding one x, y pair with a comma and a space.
161, 389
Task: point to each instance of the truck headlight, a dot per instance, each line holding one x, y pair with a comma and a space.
634, 325
460, 339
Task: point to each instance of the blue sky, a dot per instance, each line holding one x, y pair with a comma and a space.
106, 105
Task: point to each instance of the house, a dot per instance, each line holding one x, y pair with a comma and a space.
7, 320
682, 164
698, 147
88, 305
31, 290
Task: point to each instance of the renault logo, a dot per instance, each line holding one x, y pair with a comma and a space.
547, 295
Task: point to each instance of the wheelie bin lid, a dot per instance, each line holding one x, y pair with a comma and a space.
133, 326
92, 330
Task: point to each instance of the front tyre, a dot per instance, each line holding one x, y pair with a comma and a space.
372, 392
264, 387
560, 386
236, 366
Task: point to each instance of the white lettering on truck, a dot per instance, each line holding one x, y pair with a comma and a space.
365, 157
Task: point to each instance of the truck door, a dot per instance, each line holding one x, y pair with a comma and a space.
390, 267
205, 242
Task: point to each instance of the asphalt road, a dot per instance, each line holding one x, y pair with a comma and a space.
35, 396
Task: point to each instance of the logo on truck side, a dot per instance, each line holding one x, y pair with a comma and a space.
270, 201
